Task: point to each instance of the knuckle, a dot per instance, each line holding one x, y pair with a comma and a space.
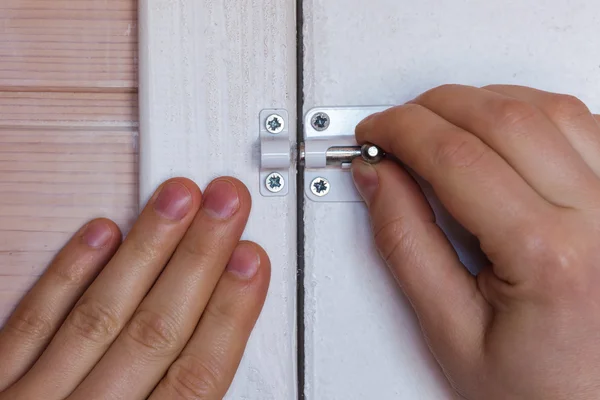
408, 108
402, 114
513, 115
192, 378
155, 333
557, 264
221, 315
395, 241
146, 248
463, 153
564, 106
539, 250
192, 250
94, 321
490, 87
442, 89
411, 108
70, 274
30, 323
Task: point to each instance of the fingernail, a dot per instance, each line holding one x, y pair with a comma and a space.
364, 125
221, 199
174, 201
244, 262
366, 179
97, 234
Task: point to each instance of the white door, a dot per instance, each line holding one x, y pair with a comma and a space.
209, 68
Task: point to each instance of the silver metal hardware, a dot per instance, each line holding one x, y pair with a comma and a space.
344, 155
275, 153
328, 153
320, 187
320, 121
275, 124
328, 149
371, 153
275, 182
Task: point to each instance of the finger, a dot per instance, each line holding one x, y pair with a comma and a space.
498, 293
597, 118
523, 136
207, 365
452, 312
108, 304
166, 319
473, 182
570, 115
41, 312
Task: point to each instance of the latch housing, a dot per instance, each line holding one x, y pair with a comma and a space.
327, 151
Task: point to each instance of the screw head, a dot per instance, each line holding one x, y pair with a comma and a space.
275, 182
275, 124
320, 187
320, 121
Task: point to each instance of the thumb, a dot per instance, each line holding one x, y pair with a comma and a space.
452, 312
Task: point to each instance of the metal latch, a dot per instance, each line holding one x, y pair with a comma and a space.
326, 152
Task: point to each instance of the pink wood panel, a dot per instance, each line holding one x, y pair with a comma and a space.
68, 128
67, 110
68, 43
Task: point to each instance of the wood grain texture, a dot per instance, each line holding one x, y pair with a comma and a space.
207, 69
68, 44
68, 128
362, 339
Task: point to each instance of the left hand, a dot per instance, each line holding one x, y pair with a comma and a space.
165, 315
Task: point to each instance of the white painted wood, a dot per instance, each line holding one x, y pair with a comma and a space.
362, 340
207, 68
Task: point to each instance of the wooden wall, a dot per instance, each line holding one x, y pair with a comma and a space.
68, 128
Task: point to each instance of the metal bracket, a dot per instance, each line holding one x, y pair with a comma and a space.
327, 152
327, 128
275, 152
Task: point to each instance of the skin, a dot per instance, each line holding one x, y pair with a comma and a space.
167, 313
164, 315
520, 169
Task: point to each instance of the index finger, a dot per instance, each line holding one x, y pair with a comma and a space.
472, 181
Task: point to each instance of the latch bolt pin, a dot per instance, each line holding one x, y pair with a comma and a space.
344, 155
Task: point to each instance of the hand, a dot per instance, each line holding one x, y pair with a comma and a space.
520, 169
165, 315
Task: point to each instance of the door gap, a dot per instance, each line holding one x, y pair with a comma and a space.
300, 290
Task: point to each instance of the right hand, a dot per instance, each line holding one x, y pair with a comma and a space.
520, 169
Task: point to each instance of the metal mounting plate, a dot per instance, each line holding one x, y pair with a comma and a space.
276, 154
341, 124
